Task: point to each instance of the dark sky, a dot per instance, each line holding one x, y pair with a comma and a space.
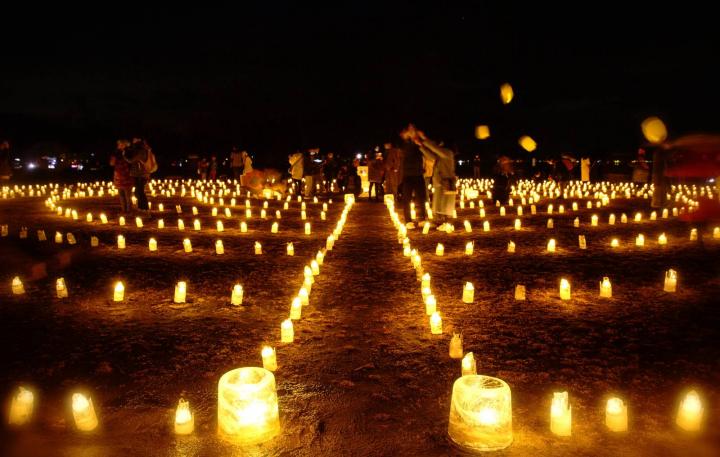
282, 76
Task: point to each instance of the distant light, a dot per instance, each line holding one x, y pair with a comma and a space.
711, 180
460, 162
31, 165
359, 156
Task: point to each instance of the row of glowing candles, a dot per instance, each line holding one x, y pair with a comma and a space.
689, 415
690, 411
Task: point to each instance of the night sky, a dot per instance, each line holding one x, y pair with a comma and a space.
278, 77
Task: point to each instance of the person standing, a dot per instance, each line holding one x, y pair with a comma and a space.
236, 163
476, 166
5, 168
308, 173
330, 171
213, 167
585, 169
392, 169
137, 155
121, 176
413, 184
443, 179
376, 172
296, 171
202, 168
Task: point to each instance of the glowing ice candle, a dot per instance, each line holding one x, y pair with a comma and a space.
121, 220
502, 211
550, 209
482, 212
468, 295
640, 240
614, 243
287, 334
653, 216
426, 229
243, 227
582, 242
606, 288
194, 211
690, 412
480, 413
456, 348
304, 295
425, 281
560, 415
227, 212
518, 224
469, 247
74, 215
161, 224
468, 367
219, 226
564, 289
430, 305
181, 225
716, 233
670, 281
290, 249
103, 218
41, 235
307, 273
269, 358
315, 267
21, 407
258, 248
623, 218
486, 226
307, 228
435, 323
611, 219
296, 309
303, 215
551, 245
662, 239
121, 242
60, 288
520, 292
138, 222
693, 234
196, 224
152, 245
88, 217
533, 209
178, 209
638, 217
17, 286
71, 238
187, 245
440, 250
180, 292
94, 241
58, 237
161, 208
616, 415
511, 247
330, 243
84, 413
184, 421
278, 215
219, 248
263, 214
119, 292
550, 223
468, 227
286, 206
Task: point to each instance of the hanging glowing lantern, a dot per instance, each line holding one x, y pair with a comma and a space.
551, 245
71, 238
482, 132
468, 295
258, 248
219, 248
506, 93
435, 323
119, 292
21, 407
180, 292
662, 239
247, 406
564, 289
439, 250
60, 288
187, 245
307, 228
243, 227
690, 412
236, 296
606, 288
269, 358
481, 413
520, 292
560, 415
184, 421
468, 367
614, 243
527, 143
84, 413
17, 286
616, 415
287, 334
152, 245
670, 281
654, 130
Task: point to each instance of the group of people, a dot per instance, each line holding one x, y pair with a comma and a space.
240, 164
133, 162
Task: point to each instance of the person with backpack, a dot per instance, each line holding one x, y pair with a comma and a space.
142, 164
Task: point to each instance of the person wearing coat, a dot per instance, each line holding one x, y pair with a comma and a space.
136, 155
393, 169
443, 179
376, 173
296, 171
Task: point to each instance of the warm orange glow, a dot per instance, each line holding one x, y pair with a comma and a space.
654, 130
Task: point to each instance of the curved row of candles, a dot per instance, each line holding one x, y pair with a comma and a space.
480, 417
248, 411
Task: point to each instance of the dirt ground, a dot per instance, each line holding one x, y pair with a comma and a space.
364, 376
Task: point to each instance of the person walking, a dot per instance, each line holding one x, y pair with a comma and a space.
121, 176
413, 185
138, 155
